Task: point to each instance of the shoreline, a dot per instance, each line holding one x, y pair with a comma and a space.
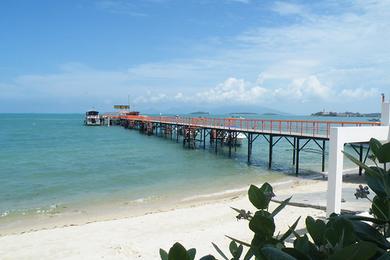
116, 210
194, 223
121, 209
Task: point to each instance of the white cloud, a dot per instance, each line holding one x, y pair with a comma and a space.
239, 91
285, 8
360, 93
303, 89
233, 90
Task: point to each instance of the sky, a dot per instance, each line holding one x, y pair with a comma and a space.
297, 57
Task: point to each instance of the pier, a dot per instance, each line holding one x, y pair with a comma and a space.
225, 131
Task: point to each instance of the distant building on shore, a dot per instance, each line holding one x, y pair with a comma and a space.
345, 114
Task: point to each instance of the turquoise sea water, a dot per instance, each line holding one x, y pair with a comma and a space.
49, 161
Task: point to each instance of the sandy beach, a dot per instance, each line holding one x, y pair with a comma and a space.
195, 224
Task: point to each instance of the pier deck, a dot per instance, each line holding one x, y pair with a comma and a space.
225, 130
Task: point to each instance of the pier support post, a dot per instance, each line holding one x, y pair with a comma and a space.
177, 133
204, 138
249, 147
323, 155
235, 141
294, 149
230, 143
216, 141
297, 158
201, 135
270, 151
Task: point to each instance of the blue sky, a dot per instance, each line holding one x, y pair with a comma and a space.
294, 56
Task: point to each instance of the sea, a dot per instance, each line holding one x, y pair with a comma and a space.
51, 164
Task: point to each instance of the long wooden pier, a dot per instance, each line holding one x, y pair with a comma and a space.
224, 131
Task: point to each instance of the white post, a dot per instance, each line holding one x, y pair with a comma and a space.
385, 115
335, 172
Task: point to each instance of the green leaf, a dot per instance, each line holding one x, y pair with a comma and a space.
367, 233
191, 253
220, 251
344, 230
235, 250
316, 229
249, 254
240, 242
163, 254
295, 253
262, 225
260, 197
375, 147
385, 256
339, 231
208, 257
178, 252
290, 230
381, 152
362, 218
376, 181
357, 162
232, 247
381, 208
239, 252
276, 254
306, 247
385, 153
280, 207
360, 250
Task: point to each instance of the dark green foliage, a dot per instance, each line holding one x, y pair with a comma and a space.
341, 237
360, 250
276, 254
235, 251
260, 197
178, 252
262, 224
316, 229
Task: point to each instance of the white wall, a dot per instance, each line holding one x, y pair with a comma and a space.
338, 137
385, 116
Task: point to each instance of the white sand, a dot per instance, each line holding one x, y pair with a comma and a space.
141, 237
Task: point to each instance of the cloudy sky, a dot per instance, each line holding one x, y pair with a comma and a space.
293, 56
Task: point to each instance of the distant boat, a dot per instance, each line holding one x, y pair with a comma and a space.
374, 120
92, 118
238, 142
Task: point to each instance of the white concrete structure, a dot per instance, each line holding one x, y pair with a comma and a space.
385, 116
339, 136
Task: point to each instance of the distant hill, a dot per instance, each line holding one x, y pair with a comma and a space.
212, 109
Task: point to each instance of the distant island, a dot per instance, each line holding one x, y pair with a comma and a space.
200, 113
270, 114
243, 113
346, 114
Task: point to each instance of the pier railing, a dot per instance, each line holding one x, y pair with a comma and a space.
310, 128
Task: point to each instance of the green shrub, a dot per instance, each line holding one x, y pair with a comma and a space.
341, 237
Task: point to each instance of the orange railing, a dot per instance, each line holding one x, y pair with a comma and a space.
315, 128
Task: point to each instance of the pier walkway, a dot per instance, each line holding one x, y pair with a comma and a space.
227, 131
